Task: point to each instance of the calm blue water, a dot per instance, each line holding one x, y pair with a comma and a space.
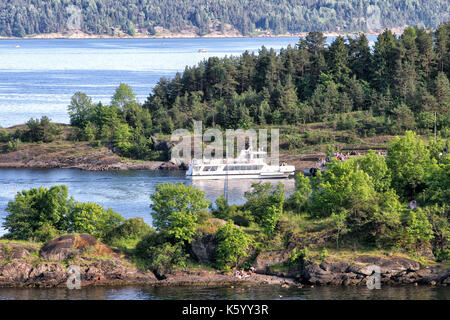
126, 192
39, 77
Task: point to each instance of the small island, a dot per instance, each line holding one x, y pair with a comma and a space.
335, 227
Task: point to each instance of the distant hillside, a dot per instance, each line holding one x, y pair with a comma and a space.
199, 17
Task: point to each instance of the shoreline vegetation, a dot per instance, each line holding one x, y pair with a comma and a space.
391, 211
78, 34
333, 230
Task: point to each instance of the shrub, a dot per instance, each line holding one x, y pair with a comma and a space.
440, 222
46, 233
41, 130
130, 229
408, 161
323, 254
232, 245
222, 209
4, 136
37, 208
92, 218
346, 122
318, 137
293, 142
300, 256
266, 204
233, 212
177, 209
160, 255
418, 229
13, 145
297, 201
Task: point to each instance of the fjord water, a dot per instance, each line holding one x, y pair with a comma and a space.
38, 77
126, 192
264, 292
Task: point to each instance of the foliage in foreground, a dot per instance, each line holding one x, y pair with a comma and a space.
364, 202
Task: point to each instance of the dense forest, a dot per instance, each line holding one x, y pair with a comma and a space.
24, 17
399, 84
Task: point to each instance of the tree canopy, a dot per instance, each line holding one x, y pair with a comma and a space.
25, 17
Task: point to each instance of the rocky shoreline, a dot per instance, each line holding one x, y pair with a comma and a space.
27, 265
81, 155
75, 155
394, 271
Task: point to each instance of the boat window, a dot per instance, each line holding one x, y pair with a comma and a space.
214, 168
206, 168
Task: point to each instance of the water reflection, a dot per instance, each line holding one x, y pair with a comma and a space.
228, 293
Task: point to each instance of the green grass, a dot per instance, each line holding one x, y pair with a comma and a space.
22, 242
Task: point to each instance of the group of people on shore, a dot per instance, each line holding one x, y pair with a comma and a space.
322, 162
241, 274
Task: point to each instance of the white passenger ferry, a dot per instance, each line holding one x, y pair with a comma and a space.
248, 165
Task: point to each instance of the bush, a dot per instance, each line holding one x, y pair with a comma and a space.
41, 130
34, 211
233, 212
440, 222
46, 233
418, 229
408, 161
300, 256
13, 145
293, 141
177, 209
222, 209
130, 229
242, 218
92, 218
232, 245
4, 136
298, 200
318, 137
346, 122
266, 204
160, 255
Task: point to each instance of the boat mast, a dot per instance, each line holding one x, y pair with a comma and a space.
225, 187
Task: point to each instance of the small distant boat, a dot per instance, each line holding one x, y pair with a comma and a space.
17, 46
202, 50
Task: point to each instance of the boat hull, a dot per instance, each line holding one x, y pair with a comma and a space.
283, 175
